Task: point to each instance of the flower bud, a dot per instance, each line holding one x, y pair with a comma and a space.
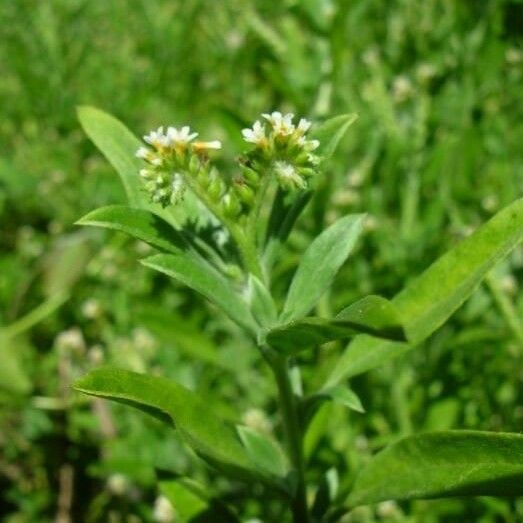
194, 165
216, 188
203, 178
250, 175
231, 206
245, 193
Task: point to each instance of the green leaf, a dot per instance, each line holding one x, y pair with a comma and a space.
443, 464
193, 504
434, 296
372, 314
319, 265
298, 335
375, 315
139, 223
188, 501
331, 132
264, 452
35, 316
285, 210
119, 146
197, 274
341, 394
260, 300
326, 494
176, 332
172, 403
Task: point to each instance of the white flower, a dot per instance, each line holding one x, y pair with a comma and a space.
145, 174
313, 159
255, 135
311, 145
288, 175
221, 237
207, 146
177, 188
308, 145
156, 138
303, 126
180, 137
143, 153
281, 124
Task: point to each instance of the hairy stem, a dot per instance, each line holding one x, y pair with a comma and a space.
293, 434
246, 247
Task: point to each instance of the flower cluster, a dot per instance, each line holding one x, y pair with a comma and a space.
172, 154
283, 148
176, 161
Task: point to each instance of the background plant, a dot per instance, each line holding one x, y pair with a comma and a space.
425, 193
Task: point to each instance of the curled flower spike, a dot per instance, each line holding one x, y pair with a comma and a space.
281, 150
281, 147
172, 157
145, 154
308, 145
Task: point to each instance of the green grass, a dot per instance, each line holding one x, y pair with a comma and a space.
435, 152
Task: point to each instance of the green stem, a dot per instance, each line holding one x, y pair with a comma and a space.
293, 433
36, 315
246, 247
258, 203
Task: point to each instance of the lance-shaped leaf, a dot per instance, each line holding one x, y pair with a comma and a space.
372, 314
264, 452
119, 146
188, 502
331, 132
261, 303
432, 298
286, 209
193, 503
443, 464
199, 275
326, 493
172, 403
339, 394
139, 223
319, 265
375, 315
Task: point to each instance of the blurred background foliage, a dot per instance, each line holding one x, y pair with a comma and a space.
436, 151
